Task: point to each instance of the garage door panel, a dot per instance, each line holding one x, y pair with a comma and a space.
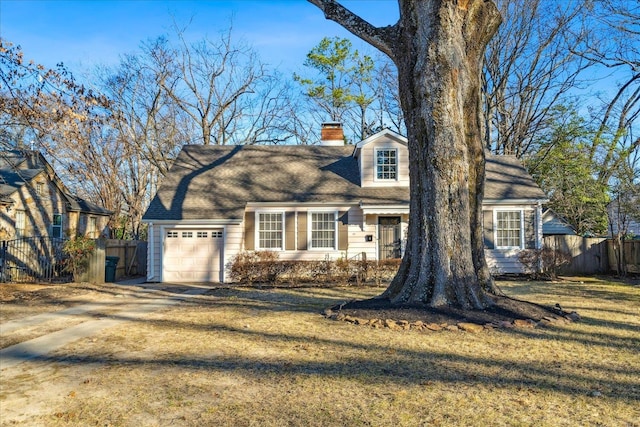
192, 255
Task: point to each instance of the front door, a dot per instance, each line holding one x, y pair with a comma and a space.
389, 237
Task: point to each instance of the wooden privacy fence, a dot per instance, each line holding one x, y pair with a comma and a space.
94, 272
631, 255
132, 256
132, 259
588, 255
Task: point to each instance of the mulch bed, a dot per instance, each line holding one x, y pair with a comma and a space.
505, 313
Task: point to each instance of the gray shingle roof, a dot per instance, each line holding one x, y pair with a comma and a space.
506, 178
216, 182
18, 167
11, 180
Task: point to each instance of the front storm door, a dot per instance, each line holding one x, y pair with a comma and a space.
389, 240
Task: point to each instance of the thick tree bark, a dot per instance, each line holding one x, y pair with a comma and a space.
438, 47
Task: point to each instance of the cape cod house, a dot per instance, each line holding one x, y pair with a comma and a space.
314, 202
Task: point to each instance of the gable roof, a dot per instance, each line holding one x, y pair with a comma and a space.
12, 180
507, 179
216, 182
388, 133
553, 224
19, 167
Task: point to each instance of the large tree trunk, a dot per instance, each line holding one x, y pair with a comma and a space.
438, 47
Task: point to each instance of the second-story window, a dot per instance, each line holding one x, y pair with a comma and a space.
40, 188
387, 164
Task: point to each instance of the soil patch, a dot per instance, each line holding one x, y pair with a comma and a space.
504, 311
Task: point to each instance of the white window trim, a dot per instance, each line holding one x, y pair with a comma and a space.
375, 164
22, 226
495, 228
61, 226
257, 229
310, 230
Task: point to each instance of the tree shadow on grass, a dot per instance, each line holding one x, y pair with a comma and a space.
380, 364
373, 360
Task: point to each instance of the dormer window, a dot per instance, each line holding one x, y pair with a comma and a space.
387, 164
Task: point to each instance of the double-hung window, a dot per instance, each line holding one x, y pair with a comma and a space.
323, 230
387, 164
20, 223
270, 230
56, 226
509, 229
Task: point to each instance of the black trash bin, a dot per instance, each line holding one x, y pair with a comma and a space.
110, 265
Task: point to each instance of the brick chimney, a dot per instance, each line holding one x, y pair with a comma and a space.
331, 134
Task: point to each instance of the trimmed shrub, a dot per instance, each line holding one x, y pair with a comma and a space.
264, 267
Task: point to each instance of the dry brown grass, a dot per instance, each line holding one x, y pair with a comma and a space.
247, 357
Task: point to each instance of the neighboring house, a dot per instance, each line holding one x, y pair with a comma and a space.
554, 225
35, 203
314, 202
617, 218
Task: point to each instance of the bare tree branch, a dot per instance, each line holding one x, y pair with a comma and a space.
381, 38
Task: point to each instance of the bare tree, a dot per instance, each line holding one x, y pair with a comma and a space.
614, 49
37, 103
531, 65
387, 108
223, 87
438, 47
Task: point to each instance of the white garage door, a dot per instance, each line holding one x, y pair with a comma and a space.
192, 255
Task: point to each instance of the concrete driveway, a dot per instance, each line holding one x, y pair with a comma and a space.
133, 303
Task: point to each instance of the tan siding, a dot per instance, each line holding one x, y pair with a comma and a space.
343, 230
302, 232
39, 210
368, 169
357, 235
290, 231
232, 246
249, 231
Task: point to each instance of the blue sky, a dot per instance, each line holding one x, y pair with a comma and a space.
86, 33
